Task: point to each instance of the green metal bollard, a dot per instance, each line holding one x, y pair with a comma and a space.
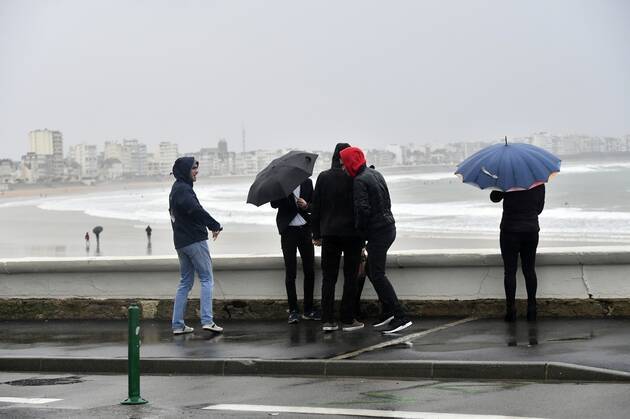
134, 357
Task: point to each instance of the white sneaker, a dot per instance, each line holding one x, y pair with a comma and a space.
212, 327
330, 327
397, 325
349, 327
186, 329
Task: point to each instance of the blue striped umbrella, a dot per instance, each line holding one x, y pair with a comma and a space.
508, 167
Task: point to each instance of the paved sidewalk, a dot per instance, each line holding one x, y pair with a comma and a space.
474, 347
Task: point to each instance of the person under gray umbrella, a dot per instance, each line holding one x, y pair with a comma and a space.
286, 184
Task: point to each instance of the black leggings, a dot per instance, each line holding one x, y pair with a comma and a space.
513, 244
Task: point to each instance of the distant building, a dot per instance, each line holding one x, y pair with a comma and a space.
167, 154
7, 171
86, 156
112, 169
48, 143
216, 161
134, 158
380, 158
153, 167
112, 150
36, 168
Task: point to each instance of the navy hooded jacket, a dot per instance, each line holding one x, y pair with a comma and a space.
189, 220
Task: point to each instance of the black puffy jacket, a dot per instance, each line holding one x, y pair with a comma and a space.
372, 204
190, 222
332, 209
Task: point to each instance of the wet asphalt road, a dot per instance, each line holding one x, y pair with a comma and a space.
98, 396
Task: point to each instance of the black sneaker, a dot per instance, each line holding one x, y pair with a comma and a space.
397, 325
312, 315
383, 320
294, 317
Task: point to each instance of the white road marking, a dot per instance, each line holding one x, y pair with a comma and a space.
352, 412
403, 339
24, 400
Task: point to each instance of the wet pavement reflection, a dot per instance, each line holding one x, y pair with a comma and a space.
512, 333
593, 342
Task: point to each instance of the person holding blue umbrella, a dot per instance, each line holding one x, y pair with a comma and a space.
517, 173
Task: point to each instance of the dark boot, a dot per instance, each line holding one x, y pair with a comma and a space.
531, 312
510, 314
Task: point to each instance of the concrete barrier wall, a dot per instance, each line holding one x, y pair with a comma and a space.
446, 275
418, 276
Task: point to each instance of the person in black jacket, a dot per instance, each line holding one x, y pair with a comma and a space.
190, 223
332, 217
519, 235
374, 221
293, 221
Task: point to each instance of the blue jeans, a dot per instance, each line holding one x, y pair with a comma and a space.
194, 257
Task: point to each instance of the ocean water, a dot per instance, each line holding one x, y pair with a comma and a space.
586, 202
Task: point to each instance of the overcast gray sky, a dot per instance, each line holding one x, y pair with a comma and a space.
307, 73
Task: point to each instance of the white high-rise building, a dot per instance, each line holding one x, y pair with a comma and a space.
45, 142
86, 155
113, 151
134, 158
167, 154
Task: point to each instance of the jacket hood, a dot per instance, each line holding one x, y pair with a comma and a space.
182, 168
335, 164
353, 159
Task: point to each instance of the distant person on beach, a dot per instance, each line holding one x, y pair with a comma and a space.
190, 223
332, 217
519, 235
293, 222
375, 223
87, 240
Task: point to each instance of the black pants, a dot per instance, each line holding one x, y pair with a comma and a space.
513, 244
332, 247
378, 244
292, 239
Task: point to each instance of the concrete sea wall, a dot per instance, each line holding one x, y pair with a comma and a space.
592, 282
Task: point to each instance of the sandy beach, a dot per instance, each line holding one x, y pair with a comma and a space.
61, 235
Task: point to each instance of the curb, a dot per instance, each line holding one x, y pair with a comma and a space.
535, 371
276, 309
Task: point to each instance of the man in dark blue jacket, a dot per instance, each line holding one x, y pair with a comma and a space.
190, 224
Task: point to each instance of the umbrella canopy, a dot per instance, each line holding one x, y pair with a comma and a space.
281, 177
508, 167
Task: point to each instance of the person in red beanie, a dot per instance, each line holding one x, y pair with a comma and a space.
375, 223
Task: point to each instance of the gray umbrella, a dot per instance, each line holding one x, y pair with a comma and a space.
281, 176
